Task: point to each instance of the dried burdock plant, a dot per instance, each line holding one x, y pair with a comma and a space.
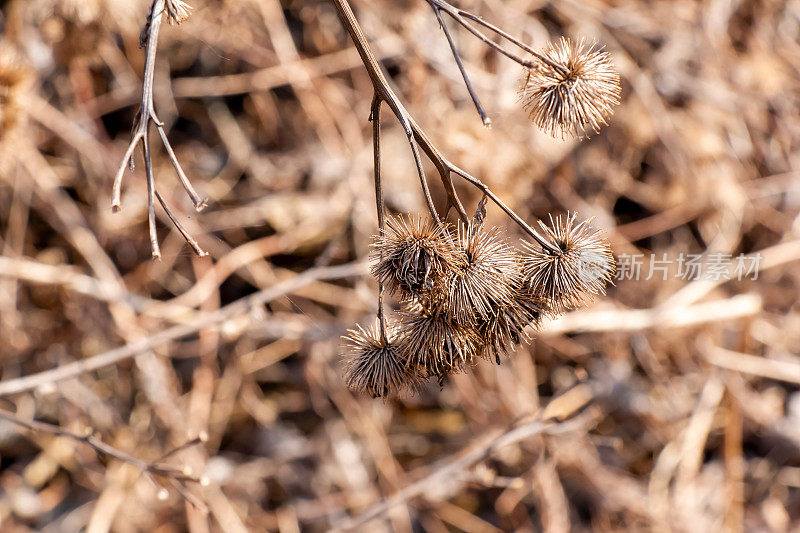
483, 283
470, 295
413, 257
576, 99
577, 272
176, 11
375, 365
435, 344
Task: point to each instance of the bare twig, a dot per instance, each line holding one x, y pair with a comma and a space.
144, 117
375, 117
461, 16
481, 112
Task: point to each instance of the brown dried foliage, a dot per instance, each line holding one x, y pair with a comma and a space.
670, 404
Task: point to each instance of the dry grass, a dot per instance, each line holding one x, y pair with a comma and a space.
666, 405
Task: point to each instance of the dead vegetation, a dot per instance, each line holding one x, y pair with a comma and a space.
669, 404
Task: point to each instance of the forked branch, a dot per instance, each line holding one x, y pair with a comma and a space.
384, 92
176, 11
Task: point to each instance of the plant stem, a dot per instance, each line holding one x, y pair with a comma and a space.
383, 91
375, 117
460, 15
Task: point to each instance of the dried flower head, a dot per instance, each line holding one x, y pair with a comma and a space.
413, 257
505, 329
576, 98
578, 271
483, 283
374, 365
177, 11
434, 343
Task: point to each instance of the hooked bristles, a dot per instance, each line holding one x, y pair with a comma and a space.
505, 329
576, 98
482, 283
413, 257
580, 270
435, 344
374, 365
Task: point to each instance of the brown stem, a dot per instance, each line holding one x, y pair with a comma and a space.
375, 117
544, 243
151, 193
460, 15
384, 92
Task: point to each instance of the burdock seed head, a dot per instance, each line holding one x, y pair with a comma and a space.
375, 366
483, 283
413, 257
581, 268
577, 97
435, 344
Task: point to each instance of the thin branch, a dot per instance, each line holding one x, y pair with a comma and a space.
174, 472
375, 117
189, 239
198, 201
151, 193
384, 91
481, 112
544, 243
191, 327
423, 181
144, 117
461, 16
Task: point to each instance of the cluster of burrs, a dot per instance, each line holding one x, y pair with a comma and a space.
466, 294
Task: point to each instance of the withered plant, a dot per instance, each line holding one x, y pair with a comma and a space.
465, 292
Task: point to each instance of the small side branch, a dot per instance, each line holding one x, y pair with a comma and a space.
176, 11
462, 17
481, 112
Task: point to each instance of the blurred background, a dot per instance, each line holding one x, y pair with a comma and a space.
670, 404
